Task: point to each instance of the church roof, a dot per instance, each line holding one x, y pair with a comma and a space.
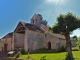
58, 35
8, 35
31, 26
45, 28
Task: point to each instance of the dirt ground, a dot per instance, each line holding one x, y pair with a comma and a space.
3, 54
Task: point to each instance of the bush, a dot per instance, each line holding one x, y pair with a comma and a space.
43, 58
17, 55
75, 49
62, 49
43, 50
22, 51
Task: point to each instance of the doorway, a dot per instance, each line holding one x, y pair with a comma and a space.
49, 45
5, 47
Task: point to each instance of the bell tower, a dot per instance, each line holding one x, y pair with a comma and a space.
36, 20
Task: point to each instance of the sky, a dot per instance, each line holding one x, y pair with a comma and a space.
13, 11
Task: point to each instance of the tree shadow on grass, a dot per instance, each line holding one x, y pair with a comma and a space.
68, 57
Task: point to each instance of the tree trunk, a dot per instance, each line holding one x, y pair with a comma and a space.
68, 44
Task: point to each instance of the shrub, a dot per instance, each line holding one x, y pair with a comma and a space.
43, 50
75, 49
62, 49
22, 51
17, 55
43, 58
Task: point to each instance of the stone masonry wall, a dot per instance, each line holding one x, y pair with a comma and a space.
35, 39
19, 40
53, 40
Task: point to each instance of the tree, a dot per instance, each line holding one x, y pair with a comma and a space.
44, 22
78, 41
66, 23
75, 38
40, 15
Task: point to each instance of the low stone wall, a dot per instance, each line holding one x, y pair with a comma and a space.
9, 58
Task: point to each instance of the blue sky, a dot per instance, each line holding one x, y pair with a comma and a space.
13, 11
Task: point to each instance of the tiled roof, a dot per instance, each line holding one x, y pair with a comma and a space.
45, 28
31, 27
58, 36
8, 35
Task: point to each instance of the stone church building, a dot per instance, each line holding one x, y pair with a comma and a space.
32, 36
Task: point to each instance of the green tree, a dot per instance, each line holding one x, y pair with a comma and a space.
44, 22
65, 24
78, 41
75, 38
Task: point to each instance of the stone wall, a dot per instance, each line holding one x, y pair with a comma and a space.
7, 41
9, 44
73, 42
62, 42
53, 40
19, 40
35, 40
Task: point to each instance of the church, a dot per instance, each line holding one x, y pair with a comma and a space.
32, 36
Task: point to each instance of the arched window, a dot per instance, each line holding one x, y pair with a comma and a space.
49, 45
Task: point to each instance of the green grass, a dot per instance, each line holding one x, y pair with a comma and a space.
52, 56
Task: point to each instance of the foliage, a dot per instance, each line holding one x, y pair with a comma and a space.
44, 22
40, 15
43, 58
43, 50
17, 55
75, 38
22, 51
75, 49
78, 42
66, 23
62, 49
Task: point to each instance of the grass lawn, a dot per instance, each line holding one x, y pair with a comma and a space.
52, 56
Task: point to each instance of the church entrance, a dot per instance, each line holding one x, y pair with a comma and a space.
49, 45
5, 47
